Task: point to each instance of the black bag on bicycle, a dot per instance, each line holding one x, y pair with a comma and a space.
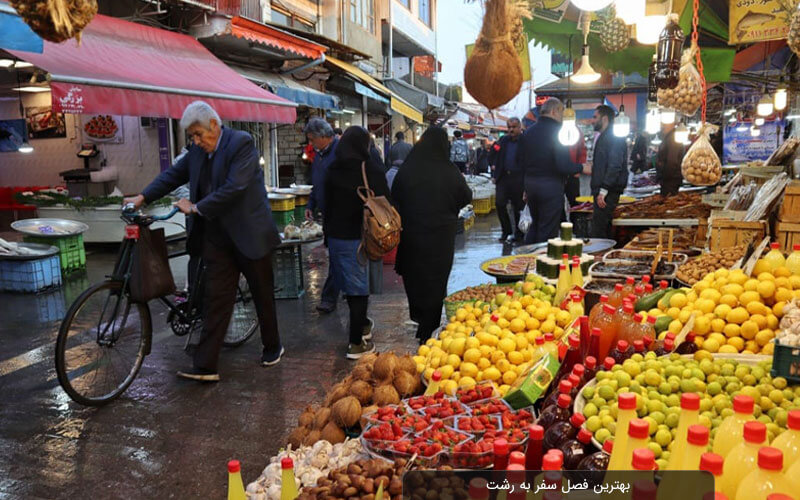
151, 276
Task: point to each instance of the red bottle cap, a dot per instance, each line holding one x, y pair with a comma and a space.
796, 247
234, 466
712, 463
638, 429
755, 432
629, 280
437, 376
574, 341
609, 309
578, 370
510, 292
549, 337
643, 459
585, 436
500, 447
745, 404
577, 420
663, 284
608, 446
576, 297
637, 318
626, 401
590, 362
565, 387
574, 380
638, 345
697, 435
551, 461
651, 319
628, 308
539, 340
562, 267
495, 318
608, 364
565, 256
536, 432
644, 490
690, 337
564, 400
775, 246
646, 279
648, 288
558, 453
722, 496
286, 463
669, 344
516, 458
770, 458
639, 290
622, 346
793, 422
777, 496
576, 258
690, 401
670, 335
618, 287
603, 299
478, 488
596, 332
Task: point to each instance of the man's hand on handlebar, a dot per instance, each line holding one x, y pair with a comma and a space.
185, 206
137, 201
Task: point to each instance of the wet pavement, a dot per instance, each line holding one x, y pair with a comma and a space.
170, 438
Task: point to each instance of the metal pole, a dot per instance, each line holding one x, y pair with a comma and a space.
364, 106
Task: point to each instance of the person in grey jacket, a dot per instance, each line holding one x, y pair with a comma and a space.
609, 171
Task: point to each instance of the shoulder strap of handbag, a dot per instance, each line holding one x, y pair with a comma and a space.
364, 192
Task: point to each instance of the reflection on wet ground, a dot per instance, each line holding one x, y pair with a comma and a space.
170, 438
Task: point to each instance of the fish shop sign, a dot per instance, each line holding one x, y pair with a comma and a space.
758, 21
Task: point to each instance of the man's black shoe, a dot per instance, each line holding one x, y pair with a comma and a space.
326, 308
199, 374
271, 358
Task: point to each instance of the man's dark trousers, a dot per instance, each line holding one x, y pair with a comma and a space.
602, 217
509, 188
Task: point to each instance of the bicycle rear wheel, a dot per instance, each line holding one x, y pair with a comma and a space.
101, 344
244, 320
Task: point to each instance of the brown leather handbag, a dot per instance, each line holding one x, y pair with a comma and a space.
380, 232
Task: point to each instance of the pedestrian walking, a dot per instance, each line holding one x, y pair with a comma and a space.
429, 192
399, 150
459, 152
572, 189
547, 166
482, 157
229, 218
343, 229
639, 153
668, 162
508, 178
322, 138
609, 171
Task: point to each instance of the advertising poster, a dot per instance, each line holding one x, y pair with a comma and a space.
102, 128
44, 123
738, 146
758, 21
551, 10
12, 135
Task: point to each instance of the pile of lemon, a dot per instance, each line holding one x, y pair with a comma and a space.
733, 312
479, 344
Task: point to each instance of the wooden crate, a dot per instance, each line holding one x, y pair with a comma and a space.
730, 233
702, 232
788, 235
790, 208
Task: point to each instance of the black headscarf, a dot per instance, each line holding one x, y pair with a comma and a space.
354, 144
432, 147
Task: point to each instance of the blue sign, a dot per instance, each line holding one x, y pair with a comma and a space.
738, 146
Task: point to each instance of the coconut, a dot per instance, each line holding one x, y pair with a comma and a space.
338, 391
362, 391
407, 363
321, 417
306, 418
332, 433
386, 395
56, 20
493, 75
362, 372
311, 438
297, 436
346, 411
406, 384
385, 366
366, 410
367, 360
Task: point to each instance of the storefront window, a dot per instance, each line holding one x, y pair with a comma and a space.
425, 11
362, 12
288, 19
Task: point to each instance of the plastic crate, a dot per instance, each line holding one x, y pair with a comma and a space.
71, 251
287, 268
282, 218
30, 276
482, 206
51, 306
786, 362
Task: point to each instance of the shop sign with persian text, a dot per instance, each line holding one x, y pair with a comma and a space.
758, 20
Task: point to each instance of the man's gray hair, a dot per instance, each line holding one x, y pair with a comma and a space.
201, 113
551, 105
318, 127
514, 119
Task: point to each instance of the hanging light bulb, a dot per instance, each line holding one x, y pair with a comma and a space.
657, 140
781, 96
585, 74
764, 106
755, 131
759, 120
591, 5
730, 111
25, 148
622, 124
667, 116
732, 119
681, 134
569, 133
630, 11
741, 127
649, 27
652, 122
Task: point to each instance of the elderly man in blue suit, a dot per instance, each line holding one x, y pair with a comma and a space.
230, 224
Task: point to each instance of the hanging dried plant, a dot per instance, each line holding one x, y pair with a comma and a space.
56, 20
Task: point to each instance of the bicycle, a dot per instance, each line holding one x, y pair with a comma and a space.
104, 337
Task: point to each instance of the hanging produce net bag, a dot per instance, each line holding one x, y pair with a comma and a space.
701, 165
493, 75
687, 97
56, 20
793, 38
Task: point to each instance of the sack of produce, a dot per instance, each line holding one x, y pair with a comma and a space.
701, 165
688, 95
56, 20
493, 75
793, 39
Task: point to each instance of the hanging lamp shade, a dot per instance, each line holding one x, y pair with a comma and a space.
652, 122
765, 106
630, 11
781, 97
622, 124
585, 74
591, 5
681, 134
569, 133
667, 116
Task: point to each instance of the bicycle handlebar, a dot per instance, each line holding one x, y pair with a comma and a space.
129, 214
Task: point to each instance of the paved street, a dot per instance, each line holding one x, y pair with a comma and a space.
170, 438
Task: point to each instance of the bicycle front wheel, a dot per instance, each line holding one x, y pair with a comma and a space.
244, 320
101, 344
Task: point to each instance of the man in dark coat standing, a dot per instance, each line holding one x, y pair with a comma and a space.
609, 171
230, 218
507, 175
668, 162
547, 167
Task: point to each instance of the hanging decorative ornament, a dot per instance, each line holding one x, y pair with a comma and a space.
630, 11
591, 5
652, 89
614, 33
668, 55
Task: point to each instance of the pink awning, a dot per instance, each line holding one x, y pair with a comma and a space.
125, 68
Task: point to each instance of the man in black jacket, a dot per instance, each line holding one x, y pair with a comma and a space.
231, 221
547, 166
609, 171
508, 178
